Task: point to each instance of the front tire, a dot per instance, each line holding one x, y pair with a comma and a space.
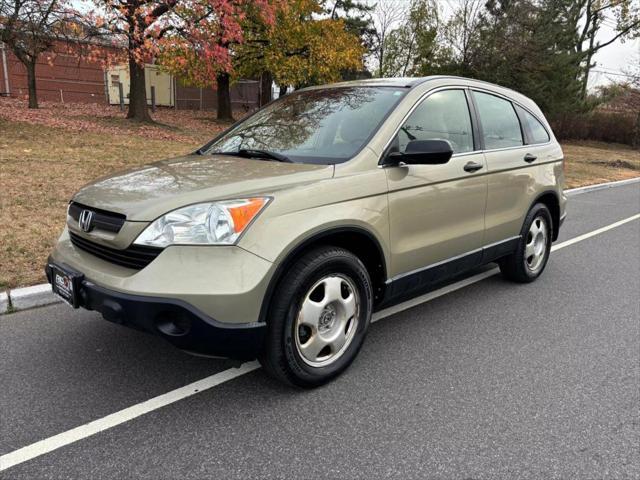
320, 316
530, 258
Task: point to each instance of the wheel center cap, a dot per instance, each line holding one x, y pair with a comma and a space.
327, 318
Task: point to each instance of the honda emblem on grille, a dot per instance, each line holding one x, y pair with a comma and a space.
85, 221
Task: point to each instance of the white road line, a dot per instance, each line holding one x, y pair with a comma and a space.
70, 436
593, 233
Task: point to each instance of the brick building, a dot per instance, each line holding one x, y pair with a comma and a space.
66, 75
62, 76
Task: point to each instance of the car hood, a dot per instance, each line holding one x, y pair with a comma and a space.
145, 193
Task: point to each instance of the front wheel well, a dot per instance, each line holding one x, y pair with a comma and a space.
359, 242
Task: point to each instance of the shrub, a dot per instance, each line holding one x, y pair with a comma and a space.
618, 127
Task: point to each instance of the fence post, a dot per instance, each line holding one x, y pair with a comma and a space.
153, 99
106, 88
121, 94
175, 93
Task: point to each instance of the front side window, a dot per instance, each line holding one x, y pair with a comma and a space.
537, 132
443, 115
322, 126
500, 124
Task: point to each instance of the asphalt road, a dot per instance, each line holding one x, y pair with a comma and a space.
494, 380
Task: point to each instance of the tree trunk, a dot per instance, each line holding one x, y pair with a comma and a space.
592, 32
266, 80
138, 109
224, 97
585, 78
283, 90
31, 82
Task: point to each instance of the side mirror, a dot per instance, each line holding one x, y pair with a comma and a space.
422, 152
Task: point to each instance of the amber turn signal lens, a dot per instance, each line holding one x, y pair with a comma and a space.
243, 214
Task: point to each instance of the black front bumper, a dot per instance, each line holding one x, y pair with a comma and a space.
181, 324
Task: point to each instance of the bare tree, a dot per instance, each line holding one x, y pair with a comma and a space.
31, 27
588, 16
387, 15
412, 47
462, 28
634, 73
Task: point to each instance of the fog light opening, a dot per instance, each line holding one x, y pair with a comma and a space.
173, 324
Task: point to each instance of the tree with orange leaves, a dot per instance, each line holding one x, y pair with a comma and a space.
194, 31
202, 55
301, 48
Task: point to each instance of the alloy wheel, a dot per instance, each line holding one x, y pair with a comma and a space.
327, 321
535, 250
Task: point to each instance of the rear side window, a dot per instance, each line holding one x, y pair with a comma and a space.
537, 132
441, 116
500, 124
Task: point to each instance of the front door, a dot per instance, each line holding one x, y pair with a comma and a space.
437, 211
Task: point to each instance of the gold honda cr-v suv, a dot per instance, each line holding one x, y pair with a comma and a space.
280, 237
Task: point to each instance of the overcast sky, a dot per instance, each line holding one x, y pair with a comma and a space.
617, 59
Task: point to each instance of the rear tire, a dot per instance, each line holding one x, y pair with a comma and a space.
532, 254
319, 318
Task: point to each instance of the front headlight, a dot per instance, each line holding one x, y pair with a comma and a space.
215, 223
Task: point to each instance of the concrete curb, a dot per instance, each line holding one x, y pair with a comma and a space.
38, 295
4, 303
27, 297
600, 186
35, 296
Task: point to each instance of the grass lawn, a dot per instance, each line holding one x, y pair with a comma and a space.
43, 162
596, 162
47, 155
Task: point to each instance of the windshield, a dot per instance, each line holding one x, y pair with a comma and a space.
323, 126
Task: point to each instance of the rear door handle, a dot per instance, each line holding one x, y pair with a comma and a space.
472, 166
529, 158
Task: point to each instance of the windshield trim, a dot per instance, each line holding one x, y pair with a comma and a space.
203, 150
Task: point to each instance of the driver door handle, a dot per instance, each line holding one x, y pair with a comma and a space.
472, 167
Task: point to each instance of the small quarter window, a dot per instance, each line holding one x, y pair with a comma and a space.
537, 132
441, 116
500, 124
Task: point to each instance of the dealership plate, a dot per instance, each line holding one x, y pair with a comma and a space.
66, 284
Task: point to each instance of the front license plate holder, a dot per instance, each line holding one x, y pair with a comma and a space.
66, 284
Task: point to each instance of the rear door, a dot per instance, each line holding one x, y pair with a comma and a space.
437, 211
512, 158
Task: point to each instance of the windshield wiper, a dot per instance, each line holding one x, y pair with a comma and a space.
409, 135
256, 153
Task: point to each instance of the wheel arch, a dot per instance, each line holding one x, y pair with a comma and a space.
358, 240
551, 200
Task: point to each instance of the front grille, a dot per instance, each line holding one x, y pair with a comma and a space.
102, 219
135, 256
